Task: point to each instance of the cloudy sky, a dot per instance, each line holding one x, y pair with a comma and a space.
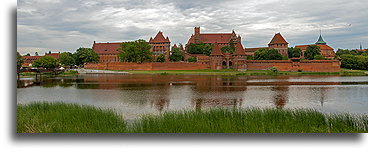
65, 25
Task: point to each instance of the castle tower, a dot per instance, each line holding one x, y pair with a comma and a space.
160, 45
279, 43
216, 57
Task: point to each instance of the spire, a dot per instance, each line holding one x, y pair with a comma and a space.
216, 50
320, 39
361, 48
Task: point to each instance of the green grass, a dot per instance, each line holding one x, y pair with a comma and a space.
69, 118
66, 73
251, 121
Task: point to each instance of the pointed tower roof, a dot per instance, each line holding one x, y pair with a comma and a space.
239, 50
320, 41
216, 50
160, 38
175, 46
278, 39
361, 48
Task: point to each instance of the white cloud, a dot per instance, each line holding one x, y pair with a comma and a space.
68, 25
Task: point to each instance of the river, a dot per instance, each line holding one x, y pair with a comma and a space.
135, 95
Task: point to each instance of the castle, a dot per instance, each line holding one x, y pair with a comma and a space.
217, 60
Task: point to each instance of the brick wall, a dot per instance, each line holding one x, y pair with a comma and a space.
287, 65
148, 66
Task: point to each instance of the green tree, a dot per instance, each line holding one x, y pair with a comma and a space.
160, 58
85, 55
273, 54
46, 62
261, 54
66, 59
296, 52
201, 48
135, 51
27, 54
36, 54
192, 59
290, 52
227, 49
312, 51
176, 55
20, 60
319, 57
348, 61
267, 54
340, 52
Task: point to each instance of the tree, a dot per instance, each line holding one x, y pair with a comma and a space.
261, 54
20, 60
45, 62
27, 54
340, 52
273, 54
66, 59
312, 51
319, 57
36, 53
160, 58
176, 55
290, 52
267, 54
192, 59
228, 49
135, 51
201, 48
85, 55
296, 52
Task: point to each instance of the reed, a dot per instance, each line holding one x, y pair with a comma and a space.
44, 117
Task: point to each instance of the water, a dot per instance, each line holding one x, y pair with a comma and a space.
136, 95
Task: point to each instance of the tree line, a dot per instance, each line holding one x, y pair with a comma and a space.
353, 59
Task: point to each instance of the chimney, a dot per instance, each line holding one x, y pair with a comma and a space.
197, 30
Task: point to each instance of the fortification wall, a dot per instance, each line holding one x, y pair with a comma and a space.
288, 65
148, 66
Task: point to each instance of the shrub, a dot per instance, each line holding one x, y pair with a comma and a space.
274, 69
192, 59
300, 70
319, 57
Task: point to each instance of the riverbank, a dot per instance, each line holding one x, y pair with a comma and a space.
70, 118
66, 73
343, 72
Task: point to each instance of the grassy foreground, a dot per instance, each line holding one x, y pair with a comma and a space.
69, 118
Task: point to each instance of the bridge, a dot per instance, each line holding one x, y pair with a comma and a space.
38, 71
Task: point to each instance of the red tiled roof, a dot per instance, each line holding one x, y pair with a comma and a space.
239, 50
216, 49
54, 55
31, 57
215, 37
322, 47
278, 39
106, 48
159, 38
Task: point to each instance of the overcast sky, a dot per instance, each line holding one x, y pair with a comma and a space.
66, 25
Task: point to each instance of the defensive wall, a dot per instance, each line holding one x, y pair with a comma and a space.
288, 65
148, 66
281, 65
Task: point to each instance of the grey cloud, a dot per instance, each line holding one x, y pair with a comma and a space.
69, 24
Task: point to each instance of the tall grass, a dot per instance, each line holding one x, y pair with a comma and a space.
70, 118
67, 118
251, 121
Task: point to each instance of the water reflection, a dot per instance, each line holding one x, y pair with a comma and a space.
133, 95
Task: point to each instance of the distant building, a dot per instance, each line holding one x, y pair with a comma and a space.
160, 45
108, 52
222, 39
28, 60
277, 42
326, 51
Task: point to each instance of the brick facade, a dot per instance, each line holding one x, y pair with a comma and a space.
288, 65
